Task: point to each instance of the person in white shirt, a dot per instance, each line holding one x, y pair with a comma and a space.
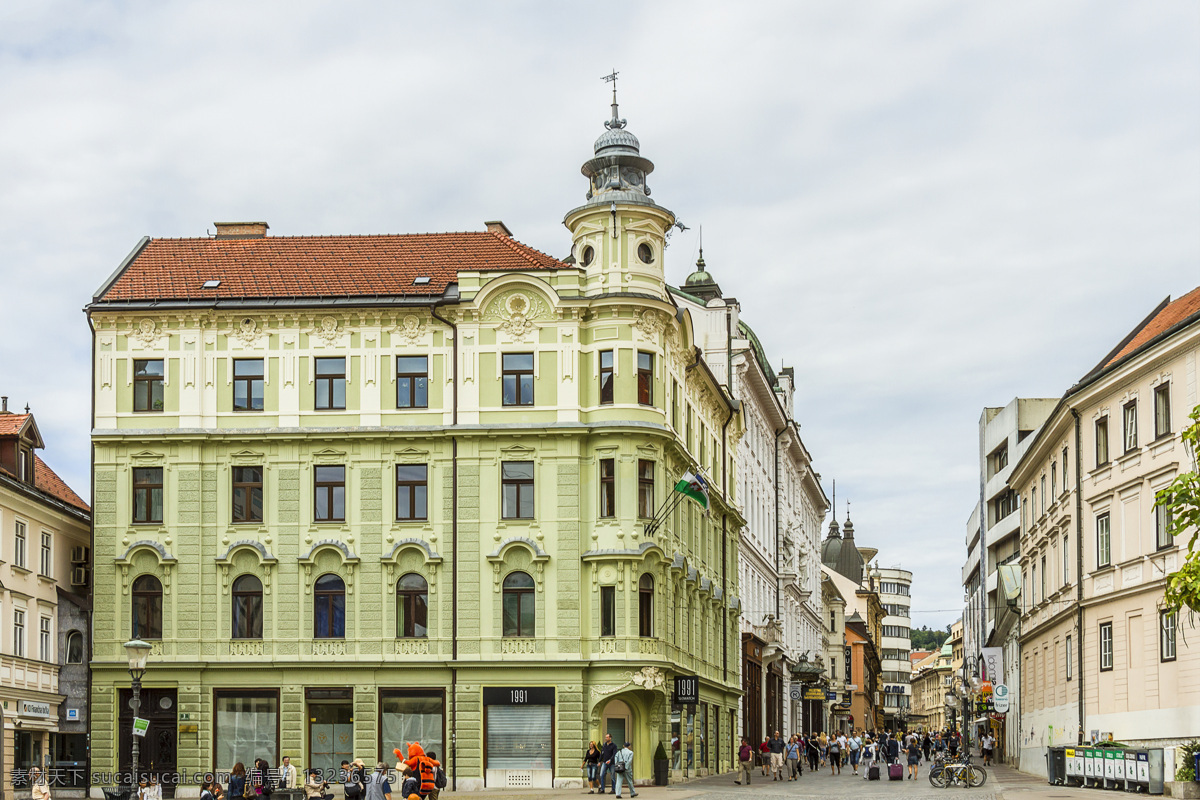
287, 774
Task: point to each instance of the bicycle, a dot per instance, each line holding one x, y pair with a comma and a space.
945, 773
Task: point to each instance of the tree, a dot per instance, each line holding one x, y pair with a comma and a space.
924, 639
1182, 501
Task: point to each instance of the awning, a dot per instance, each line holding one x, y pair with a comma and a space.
1010, 581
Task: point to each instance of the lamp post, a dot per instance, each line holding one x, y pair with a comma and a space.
968, 687
137, 652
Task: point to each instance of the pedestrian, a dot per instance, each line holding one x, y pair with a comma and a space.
623, 767
591, 763
154, 789
952, 744
987, 744
777, 746
607, 752
926, 746
835, 754
745, 762
314, 787
812, 748
793, 757
378, 785
914, 757
439, 777
237, 781
868, 755
353, 777
764, 756
855, 745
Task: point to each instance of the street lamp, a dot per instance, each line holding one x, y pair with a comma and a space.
137, 652
968, 688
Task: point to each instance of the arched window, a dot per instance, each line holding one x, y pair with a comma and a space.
247, 608
412, 607
520, 609
147, 608
75, 647
646, 606
329, 608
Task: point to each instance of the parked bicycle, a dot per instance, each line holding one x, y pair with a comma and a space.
956, 772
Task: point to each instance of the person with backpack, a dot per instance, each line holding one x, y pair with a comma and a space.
812, 748
745, 762
439, 777
623, 767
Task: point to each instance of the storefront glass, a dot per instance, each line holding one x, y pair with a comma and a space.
411, 716
247, 727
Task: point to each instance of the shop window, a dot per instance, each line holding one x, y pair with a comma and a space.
247, 727
411, 716
147, 613
247, 608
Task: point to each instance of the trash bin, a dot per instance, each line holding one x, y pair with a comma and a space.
1056, 770
662, 770
1131, 779
1089, 766
1068, 766
1078, 776
1110, 768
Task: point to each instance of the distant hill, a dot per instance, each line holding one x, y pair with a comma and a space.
925, 639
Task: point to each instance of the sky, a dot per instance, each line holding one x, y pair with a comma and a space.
925, 208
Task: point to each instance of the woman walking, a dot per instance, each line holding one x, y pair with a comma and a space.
835, 755
792, 753
914, 757
591, 762
812, 749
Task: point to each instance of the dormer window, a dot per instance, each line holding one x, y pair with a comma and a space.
25, 466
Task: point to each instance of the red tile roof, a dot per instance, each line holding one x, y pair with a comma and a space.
10, 424
48, 481
1174, 313
317, 266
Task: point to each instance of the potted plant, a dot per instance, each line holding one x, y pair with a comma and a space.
662, 765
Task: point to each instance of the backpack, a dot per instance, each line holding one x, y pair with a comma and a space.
440, 779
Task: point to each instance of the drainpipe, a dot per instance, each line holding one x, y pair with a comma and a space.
724, 538
778, 607
1079, 562
92, 543
453, 543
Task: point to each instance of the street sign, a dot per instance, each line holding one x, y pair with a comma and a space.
140, 726
687, 690
830, 694
796, 693
814, 693
1000, 699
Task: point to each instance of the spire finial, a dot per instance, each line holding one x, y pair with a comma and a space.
834, 501
700, 260
847, 510
616, 122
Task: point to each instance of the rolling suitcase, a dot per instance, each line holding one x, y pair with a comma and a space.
895, 772
873, 772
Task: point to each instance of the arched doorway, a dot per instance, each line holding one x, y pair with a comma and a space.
617, 721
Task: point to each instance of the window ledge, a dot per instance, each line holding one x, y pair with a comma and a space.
1129, 457
46, 579
19, 569
1107, 568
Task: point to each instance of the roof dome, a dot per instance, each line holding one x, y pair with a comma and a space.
617, 138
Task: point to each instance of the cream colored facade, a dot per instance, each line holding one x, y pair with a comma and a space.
930, 682
1090, 479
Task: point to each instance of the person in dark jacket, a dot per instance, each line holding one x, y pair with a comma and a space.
893, 750
607, 753
237, 781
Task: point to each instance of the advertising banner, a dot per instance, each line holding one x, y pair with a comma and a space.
993, 664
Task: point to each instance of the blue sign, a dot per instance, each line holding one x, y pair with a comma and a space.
830, 695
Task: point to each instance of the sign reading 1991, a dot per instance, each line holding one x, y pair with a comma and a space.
687, 690
518, 696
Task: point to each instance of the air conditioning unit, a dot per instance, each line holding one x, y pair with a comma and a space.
79, 555
79, 576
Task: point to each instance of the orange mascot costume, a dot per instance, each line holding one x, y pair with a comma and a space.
420, 764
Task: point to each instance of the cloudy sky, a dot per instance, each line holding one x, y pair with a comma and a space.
924, 207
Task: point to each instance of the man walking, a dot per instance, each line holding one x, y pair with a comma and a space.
745, 761
855, 745
777, 745
607, 753
623, 767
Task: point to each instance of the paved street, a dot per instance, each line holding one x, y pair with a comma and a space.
1003, 784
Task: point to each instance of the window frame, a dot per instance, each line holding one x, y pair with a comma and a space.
645, 378
1105, 647
1103, 535
1069, 656
608, 488
1103, 454
607, 387
1163, 540
608, 611
247, 383
329, 596
148, 488
412, 603
75, 636
19, 632
330, 489
244, 615
46, 562
522, 485
413, 379
153, 596
1129, 427
1167, 636
247, 488
516, 374
523, 594
328, 382
646, 606
1066, 565
45, 636
1065, 471
645, 478
20, 543
149, 380
413, 489
1162, 410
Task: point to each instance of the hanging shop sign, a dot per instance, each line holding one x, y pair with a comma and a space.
687, 690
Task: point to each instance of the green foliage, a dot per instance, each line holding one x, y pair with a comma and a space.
924, 639
660, 753
1182, 499
1185, 755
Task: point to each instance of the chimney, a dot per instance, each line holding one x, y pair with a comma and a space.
496, 226
4, 404
241, 230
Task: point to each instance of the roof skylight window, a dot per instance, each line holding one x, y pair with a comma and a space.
421, 280
211, 284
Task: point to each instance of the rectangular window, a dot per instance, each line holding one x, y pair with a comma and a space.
517, 375
47, 564
1131, 438
19, 633
1066, 560
19, 545
1043, 505
1043, 577
247, 494
1101, 441
1166, 635
412, 382
248, 381
606, 377
247, 726
675, 404
645, 489
1035, 583
412, 716
1068, 661
1103, 541
1033, 504
147, 495
1162, 528
148, 384
1162, 410
412, 492
1106, 647
516, 485
330, 384
44, 639
608, 611
645, 378
608, 487
329, 494
1065, 470
1053, 482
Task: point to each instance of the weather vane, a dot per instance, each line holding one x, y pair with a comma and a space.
616, 122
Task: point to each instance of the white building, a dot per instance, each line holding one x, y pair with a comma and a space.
779, 555
895, 592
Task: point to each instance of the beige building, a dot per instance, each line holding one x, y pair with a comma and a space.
43, 625
930, 681
1098, 652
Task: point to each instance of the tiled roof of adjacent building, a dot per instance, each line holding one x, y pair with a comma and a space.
10, 424
1170, 315
47, 481
315, 266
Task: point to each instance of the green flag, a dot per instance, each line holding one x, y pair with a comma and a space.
694, 487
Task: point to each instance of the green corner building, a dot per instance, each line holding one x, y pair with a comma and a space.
359, 490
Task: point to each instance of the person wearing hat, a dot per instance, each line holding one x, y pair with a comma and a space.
623, 767
378, 786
